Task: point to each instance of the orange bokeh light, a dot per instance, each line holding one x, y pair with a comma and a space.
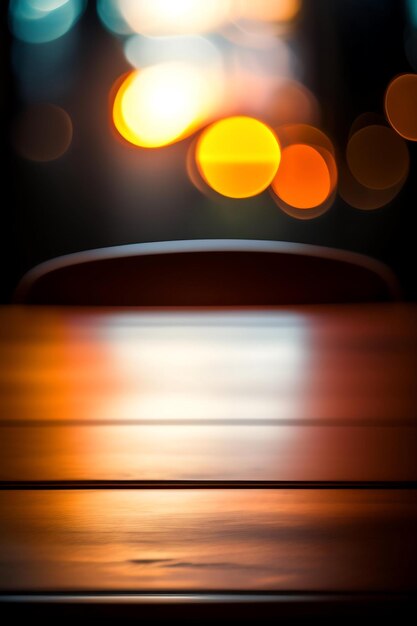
290, 134
303, 180
401, 105
269, 10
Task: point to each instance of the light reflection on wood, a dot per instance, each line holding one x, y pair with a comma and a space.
208, 453
158, 540
349, 371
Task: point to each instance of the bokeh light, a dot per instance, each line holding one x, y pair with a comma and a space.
412, 11
377, 157
369, 118
305, 134
401, 105
40, 21
254, 74
174, 17
238, 156
269, 10
292, 103
360, 197
193, 172
43, 132
303, 180
47, 5
164, 103
143, 51
109, 12
53, 65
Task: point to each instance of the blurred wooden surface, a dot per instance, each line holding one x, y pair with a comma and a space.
299, 394
320, 393
279, 540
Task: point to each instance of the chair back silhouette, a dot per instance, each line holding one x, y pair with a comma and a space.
208, 273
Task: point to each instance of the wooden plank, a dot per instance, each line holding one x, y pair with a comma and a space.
180, 540
208, 453
319, 393
337, 364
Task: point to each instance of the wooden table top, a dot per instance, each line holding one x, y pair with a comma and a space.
254, 450
326, 393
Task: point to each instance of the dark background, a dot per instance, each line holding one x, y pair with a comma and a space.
100, 193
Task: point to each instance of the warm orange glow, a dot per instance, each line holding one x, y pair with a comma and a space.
331, 165
269, 10
290, 134
303, 180
238, 156
377, 157
162, 104
401, 105
183, 540
42, 133
306, 134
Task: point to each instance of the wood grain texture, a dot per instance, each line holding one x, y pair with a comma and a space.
208, 540
302, 394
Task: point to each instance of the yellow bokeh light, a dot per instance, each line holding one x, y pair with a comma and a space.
162, 104
238, 156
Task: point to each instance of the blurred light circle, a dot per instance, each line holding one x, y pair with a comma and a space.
369, 118
304, 134
47, 5
401, 105
33, 22
52, 63
303, 214
193, 172
253, 76
43, 132
360, 197
110, 14
412, 11
330, 159
268, 10
292, 103
238, 156
142, 51
377, 157
303, 180
162, 104
174, 17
